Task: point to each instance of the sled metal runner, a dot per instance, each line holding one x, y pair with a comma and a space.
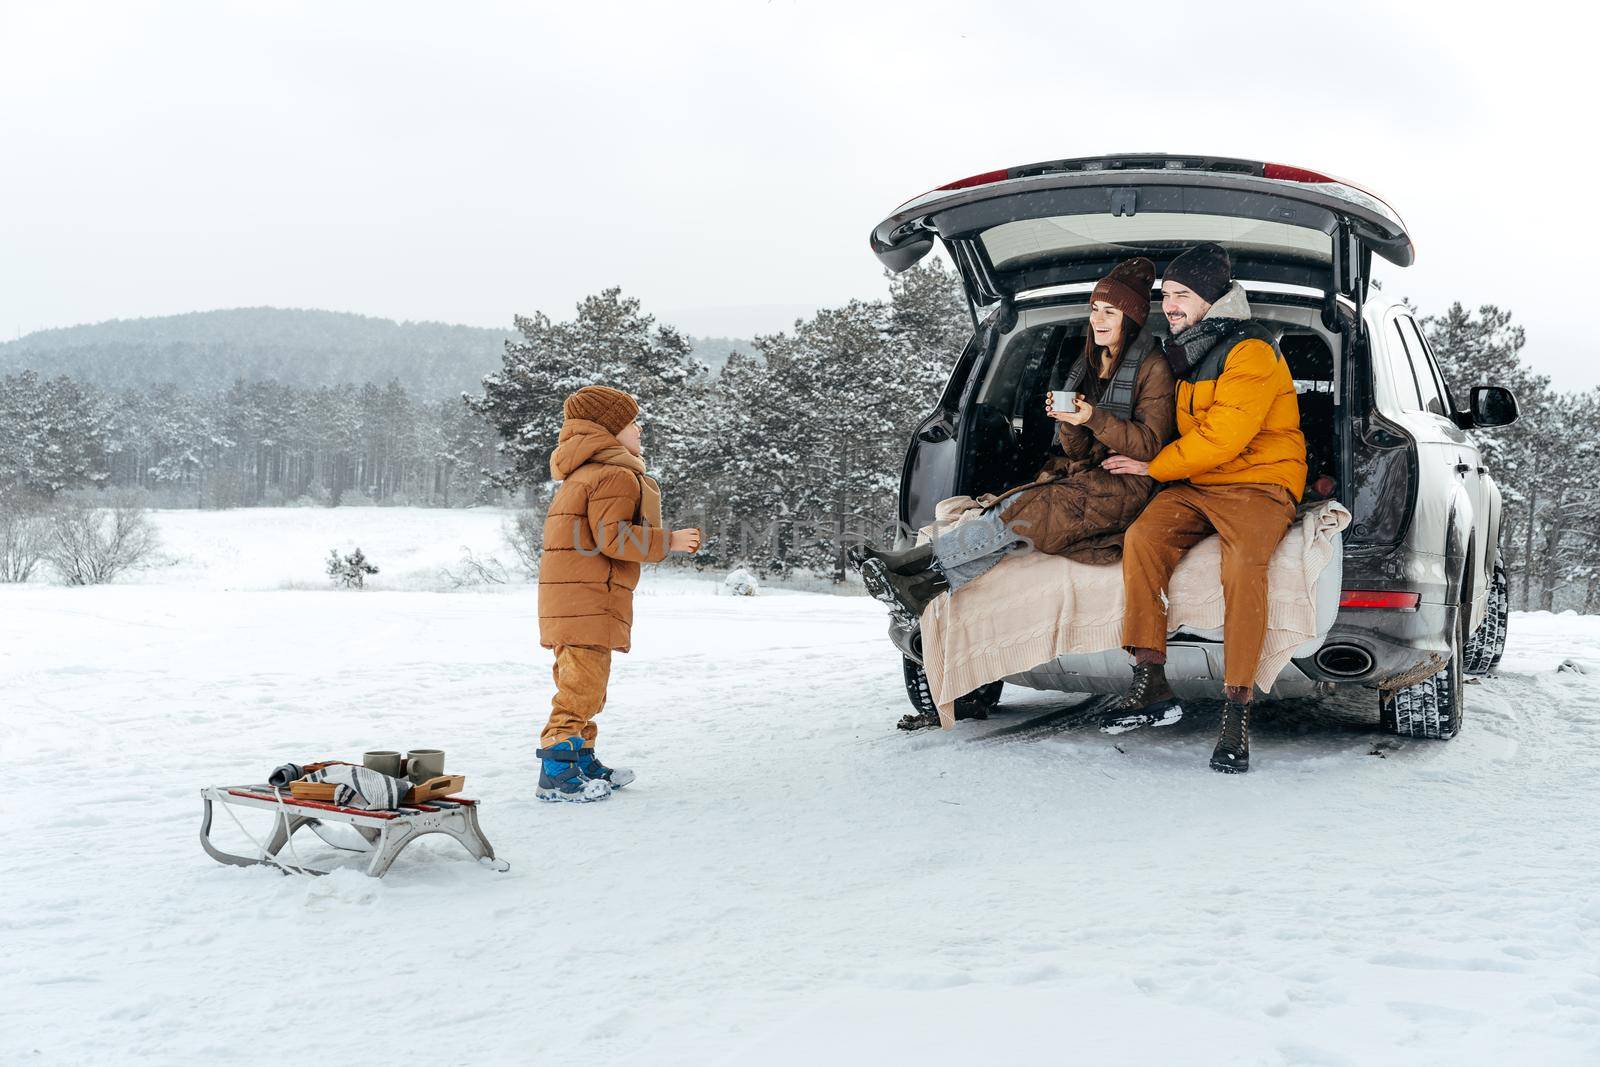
385, 834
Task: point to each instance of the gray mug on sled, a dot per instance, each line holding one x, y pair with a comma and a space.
424, 763
385, 761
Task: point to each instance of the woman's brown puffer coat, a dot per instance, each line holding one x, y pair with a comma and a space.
604, 521
1074, 508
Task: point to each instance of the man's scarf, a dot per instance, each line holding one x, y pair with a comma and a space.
1189, 347
649, 490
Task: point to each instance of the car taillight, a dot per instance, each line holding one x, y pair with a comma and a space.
965, 183
1286, 173
1379, 598
1293, 174
977, 179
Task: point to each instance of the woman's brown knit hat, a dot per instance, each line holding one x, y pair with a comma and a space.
1127, 288
611, 408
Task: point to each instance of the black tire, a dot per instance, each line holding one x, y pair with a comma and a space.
975, 705
1432, 708
917, 690
1488, 641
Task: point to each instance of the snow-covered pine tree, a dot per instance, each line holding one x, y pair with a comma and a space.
470, 451
828, 412
341, 408
930, 323
812, 431
734, 469
351, 569
179, 431
1582, 568
14, 452
53, 433
126, 418
1547, 464
1568, 518
1485, 348
612, 342
803, 442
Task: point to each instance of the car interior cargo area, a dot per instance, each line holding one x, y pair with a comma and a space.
1009, 435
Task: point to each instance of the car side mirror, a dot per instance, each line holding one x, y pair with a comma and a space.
1493, 405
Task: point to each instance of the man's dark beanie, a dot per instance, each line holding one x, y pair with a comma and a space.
1205, 269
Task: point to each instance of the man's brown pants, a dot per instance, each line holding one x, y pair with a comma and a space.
1250, 519
580, 674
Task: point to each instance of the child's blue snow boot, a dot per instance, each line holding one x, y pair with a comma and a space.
593, 768
562, 777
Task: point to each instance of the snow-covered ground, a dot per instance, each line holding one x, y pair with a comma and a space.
791, 880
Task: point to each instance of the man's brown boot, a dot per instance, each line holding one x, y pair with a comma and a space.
1232, 754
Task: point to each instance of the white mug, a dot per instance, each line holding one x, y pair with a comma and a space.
1063, 401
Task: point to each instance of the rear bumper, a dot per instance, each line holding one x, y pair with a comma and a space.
1194, 669
1405, 646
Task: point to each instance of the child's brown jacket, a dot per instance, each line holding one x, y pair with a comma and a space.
604, 521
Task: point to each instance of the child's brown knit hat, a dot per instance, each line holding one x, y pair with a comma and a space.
611, 408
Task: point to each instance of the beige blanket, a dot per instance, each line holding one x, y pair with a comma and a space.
1033, 607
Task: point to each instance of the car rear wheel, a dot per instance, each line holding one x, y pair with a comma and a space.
975, 705
1488, 641
1433, 707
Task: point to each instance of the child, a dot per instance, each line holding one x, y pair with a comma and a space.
604, 521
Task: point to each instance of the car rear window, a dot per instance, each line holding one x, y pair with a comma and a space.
1022, 243
1403, 372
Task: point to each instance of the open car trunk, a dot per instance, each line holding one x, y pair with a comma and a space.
1027, 228
1035, 238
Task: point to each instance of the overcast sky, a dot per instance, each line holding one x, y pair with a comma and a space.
724, 162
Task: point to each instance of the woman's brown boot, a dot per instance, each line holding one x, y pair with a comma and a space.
913, 560
905, 596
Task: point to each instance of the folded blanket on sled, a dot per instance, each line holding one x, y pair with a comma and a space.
353, 786
1033, 607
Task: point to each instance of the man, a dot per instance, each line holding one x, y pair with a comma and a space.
1238, 468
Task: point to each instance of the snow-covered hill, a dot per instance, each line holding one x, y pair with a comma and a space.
791, 880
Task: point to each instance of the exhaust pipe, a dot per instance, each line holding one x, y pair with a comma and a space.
908, 642
1343, 661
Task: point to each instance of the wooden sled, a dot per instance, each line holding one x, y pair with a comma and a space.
385, 834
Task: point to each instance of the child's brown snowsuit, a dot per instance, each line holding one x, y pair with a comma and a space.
604, 521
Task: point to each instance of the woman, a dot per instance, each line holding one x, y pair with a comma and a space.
1073, 507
